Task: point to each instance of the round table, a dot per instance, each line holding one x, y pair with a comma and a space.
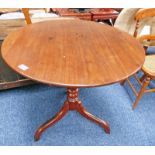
73, 54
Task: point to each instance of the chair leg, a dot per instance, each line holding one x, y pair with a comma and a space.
145, 84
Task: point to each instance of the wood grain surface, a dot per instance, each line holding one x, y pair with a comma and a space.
73, 53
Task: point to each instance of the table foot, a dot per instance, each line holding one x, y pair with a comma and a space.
51, 121
72, 103
93, 118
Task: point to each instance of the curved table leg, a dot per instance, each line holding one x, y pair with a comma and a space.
91, 117
52, 121
72, 103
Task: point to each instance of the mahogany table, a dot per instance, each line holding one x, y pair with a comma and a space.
72, 54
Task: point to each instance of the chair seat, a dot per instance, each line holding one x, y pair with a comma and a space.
149, 65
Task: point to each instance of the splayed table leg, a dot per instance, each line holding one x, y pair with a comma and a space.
72, 103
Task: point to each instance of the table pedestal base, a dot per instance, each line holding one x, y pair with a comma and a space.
72, 103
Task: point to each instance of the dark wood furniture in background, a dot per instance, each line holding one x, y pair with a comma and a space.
104, 14
88, 14
66, 12
93, 55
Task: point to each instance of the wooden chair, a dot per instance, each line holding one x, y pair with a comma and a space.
27, 15
141, 15
148, 68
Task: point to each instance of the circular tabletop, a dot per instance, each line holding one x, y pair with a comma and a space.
73, 53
